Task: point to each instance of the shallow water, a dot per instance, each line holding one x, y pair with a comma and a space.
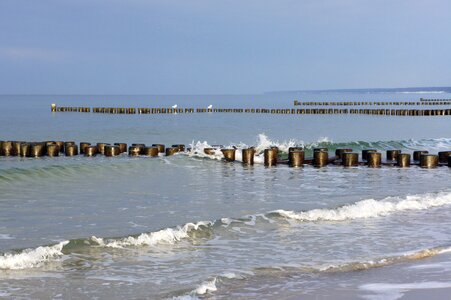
194, 226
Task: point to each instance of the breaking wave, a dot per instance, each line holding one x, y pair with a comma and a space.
368, 208
30, 258
211, 286
263, 142
164, 236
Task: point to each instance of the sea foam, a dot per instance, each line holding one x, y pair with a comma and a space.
164, 236
370, 208
263, 142
31, 258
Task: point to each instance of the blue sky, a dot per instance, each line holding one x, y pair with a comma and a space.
217, 47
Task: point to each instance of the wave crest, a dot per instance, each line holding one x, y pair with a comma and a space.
263, 142
31, 258
369, 208
164, 236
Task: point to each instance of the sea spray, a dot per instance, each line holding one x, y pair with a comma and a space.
164, 236
370, 208
31, 258
263, 142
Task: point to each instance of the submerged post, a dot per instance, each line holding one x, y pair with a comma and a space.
443, 156
248, 156
403, 160
53, 150
171, 151
181, 147
229, 154
393, 154
365, 153
373, 159
84, 145
350, 159
122, 147
151, 151
270, 156
428, 161
37, 149
25, 149
339, 152
111, 150
296, 158
71, 150
209, 151
134, 151
90, 151
417, 154
320, 158
160, 147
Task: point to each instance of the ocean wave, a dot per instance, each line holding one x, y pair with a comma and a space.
385, 261
164, 236
370, 208
393, 291
61, 168
263, 142
31, 258
214, 284
210, 286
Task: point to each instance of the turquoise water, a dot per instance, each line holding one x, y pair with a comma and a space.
194, 226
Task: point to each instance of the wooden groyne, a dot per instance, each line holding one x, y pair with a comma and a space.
373, 103
278, 111
272, 156
434, 100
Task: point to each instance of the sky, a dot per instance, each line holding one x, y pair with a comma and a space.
221, 47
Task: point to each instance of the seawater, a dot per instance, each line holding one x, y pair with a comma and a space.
192, 226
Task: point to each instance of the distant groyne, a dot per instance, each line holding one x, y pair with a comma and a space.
422, 102
278, 111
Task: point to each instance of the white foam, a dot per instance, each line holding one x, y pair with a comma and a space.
436, 144
31, 258
186, 297
164, 236
208, 286
263, 142
384, 261
321, 141
197, 150
238, 274
371, 208
396, 290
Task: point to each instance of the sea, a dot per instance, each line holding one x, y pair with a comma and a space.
193, 226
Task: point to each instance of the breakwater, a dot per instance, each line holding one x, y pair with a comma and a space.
283, 111
422, 102
270, 156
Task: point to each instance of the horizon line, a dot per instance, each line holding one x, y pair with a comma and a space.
428, 88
